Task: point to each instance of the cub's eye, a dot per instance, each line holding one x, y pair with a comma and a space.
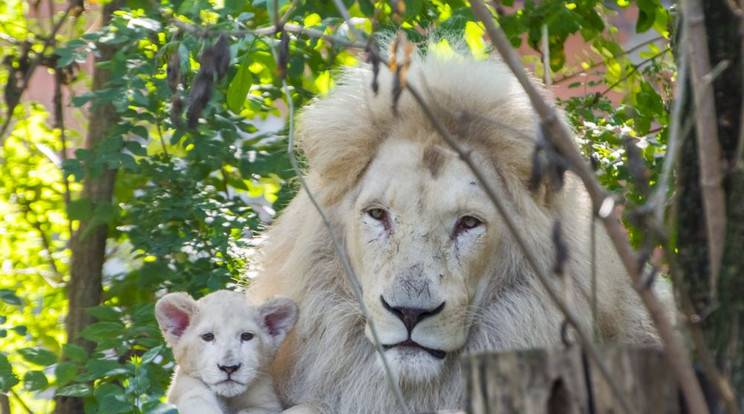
377, 213
246, 336
208, 337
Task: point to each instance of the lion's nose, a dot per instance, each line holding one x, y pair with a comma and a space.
229, 369
411, 316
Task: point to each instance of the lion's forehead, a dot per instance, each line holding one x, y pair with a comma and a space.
402, 175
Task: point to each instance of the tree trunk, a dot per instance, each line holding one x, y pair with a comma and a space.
720, 311
551, 381
88, 247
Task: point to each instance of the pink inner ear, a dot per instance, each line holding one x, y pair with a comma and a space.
178, 320
276, 321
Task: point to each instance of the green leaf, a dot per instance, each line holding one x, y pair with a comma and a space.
65, 372
38, 356
74, 352
8, 378
100, 331
20, 329
79, 209
105, 313
111, 399
34, 381
239, 87
157, 407
151, 354
8, 296
105, 367
75, 390
413, 7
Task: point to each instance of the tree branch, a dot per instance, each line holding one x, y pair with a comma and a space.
341, 251
31, 69
602, 63
632, 71
706, 132
561, 138
553, 293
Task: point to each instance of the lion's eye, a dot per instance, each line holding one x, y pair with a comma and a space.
377, 213
208, 337
466, 223
246, 336
469, 222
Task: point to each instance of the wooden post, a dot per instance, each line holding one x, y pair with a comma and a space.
564, 381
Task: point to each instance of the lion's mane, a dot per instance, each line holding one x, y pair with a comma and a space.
327, 360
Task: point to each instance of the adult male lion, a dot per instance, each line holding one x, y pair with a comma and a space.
440, 273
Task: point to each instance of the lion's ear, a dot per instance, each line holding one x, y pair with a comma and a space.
278, 316
174, 312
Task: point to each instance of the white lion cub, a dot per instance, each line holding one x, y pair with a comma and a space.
223, 346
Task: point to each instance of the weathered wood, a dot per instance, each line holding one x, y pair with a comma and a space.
540, 381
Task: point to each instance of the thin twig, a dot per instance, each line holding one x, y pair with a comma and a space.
593, 253
632, 71
553, 293
288, 13
559, 135
545, 50
340, 250
721, 383
657, 200
31, 69
21, 402
706, 132
602, 62
739, 160
59, 123
161, 136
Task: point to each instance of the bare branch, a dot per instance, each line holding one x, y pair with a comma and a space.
21, 402
720, 382
602, 63
59, 123
673, 142
560, 136
544, 278
633, 70
706, 128
341, 251
32, 68
545, 50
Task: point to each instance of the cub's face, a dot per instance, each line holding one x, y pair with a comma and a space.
223, 340
422, 238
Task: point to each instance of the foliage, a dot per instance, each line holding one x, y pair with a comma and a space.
202, 163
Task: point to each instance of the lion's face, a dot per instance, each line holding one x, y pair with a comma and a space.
222, 340
422, 238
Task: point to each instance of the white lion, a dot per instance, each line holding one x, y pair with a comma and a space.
223, 347
440, 273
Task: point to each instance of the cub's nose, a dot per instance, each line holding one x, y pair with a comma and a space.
228, 369
411, 316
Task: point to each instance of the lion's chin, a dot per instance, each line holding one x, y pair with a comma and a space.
414, 364
228, 388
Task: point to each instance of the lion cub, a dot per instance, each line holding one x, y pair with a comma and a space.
223, 346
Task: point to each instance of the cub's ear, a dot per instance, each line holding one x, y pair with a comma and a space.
174, 313
278, 316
